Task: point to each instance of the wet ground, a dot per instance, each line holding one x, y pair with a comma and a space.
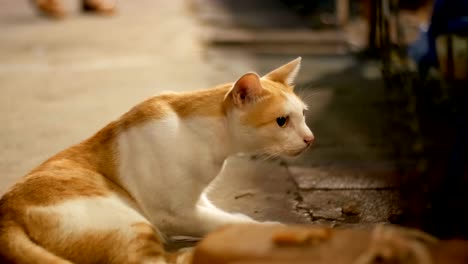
63, 80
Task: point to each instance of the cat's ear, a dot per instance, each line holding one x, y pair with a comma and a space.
246, 89
285, 74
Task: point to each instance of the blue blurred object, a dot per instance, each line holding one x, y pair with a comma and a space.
448, 17
420, 52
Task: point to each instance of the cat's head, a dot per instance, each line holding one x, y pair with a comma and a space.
266, 116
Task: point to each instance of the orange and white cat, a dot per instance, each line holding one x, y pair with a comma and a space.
110, 198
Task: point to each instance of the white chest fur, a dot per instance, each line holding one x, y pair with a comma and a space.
166, 164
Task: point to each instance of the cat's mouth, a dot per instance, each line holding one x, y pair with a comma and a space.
288, 152
296, 152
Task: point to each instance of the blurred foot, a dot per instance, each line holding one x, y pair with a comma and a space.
51, 8
104, 7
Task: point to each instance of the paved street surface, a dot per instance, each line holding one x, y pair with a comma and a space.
63, 80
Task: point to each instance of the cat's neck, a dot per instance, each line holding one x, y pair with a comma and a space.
213, 134
203, 115
174, 124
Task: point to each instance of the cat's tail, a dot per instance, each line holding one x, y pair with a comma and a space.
17, 247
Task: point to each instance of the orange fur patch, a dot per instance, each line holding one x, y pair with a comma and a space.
271, 106
207, 102
265, 112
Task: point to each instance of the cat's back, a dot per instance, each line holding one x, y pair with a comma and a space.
176, 106
152, 109
72, 173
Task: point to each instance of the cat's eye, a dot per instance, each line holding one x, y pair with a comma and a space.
282, 121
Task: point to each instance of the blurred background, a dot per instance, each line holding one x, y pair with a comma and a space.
385, 80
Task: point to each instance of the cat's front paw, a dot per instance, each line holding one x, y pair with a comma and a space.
238, 217
273, 223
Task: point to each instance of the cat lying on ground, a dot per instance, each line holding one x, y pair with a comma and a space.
109, 198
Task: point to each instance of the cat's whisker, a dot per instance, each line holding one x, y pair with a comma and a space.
308, 95
268, 154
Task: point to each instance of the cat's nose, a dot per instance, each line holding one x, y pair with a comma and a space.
309, 139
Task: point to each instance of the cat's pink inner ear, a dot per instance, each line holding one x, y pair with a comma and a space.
285, 74
246, 89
